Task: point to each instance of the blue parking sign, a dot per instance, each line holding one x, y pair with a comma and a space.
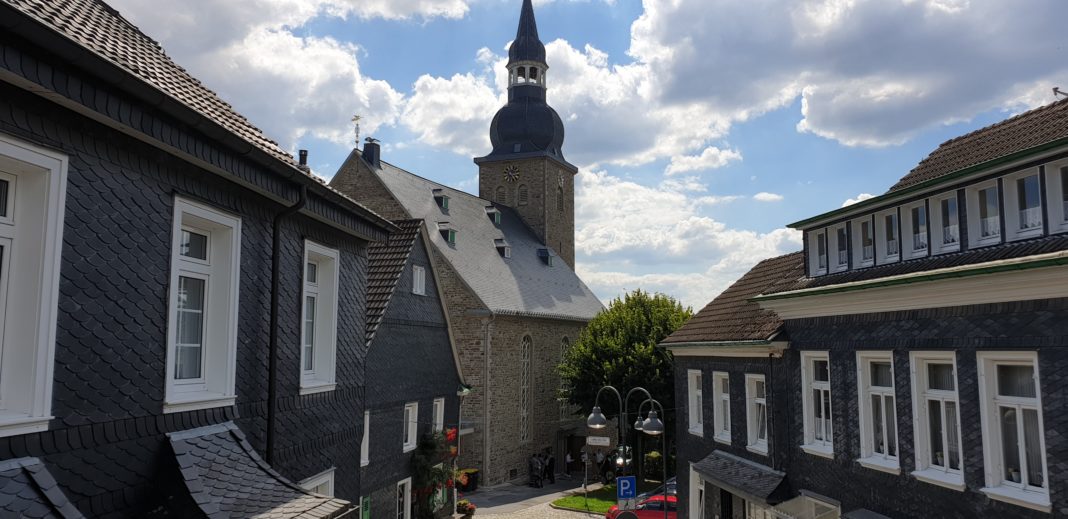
626, 487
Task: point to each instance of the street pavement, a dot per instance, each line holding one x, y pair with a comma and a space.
523, 502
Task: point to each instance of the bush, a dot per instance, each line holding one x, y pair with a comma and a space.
654, 465
464, 506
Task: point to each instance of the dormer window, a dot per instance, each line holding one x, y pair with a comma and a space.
890, 229
546, 256
503, 248
840, 245
984, 214
888, 233
916, 225
817, 246
945, 222
1057, 196
447, 231
494, 214
863, 242
1064, 194
441, 198
1024, 219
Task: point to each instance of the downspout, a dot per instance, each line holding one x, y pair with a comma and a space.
272, 362
769, 389
487, 325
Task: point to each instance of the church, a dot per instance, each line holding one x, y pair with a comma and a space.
504, 261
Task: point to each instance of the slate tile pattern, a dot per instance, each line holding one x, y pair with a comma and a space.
1027, 130
731, 316
386, 260
28, 491
226, 478
745, 477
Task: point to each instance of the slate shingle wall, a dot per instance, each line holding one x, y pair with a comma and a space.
106, 445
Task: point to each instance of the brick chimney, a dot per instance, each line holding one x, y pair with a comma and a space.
372, 152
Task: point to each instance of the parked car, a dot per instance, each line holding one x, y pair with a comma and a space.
651, 508
659, 490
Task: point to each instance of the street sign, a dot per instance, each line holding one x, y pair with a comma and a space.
598, 441
626, 491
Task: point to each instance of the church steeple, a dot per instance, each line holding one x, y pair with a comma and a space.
526, 56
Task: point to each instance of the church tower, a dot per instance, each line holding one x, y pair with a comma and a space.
526, 169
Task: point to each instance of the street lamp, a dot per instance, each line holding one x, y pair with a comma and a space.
596, 419
654, 427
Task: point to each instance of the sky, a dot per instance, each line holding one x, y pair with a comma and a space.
701, 128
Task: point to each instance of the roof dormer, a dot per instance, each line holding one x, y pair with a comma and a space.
494, 214
503, 248
447, 231
441, 199
547, 256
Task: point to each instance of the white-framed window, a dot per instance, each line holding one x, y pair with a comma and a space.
318, 355
439, 414
818, 246
321, 483
878, 413
525, 402
404, 499
1023, 204
887, 232
816, 401
365, 443
916, 243
984, 214
756, 412
418, 280
863, 241
945, 224
202, 336
1014, 444
411, 426
721, 413
32, 204
839, 248
697, 495
936, 419
1057, 195
696, 402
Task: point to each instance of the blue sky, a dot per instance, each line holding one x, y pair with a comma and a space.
701, 127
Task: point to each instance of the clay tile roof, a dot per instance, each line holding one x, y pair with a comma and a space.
28, 491
386, 260
731, 316
1027, 130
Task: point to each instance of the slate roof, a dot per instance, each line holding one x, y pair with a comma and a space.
1027, 130
731, 316
28, 491
1020, 249
749, 479
227, 479
386, 260
520, 285
527, 46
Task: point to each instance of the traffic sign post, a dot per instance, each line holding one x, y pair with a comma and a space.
626, 492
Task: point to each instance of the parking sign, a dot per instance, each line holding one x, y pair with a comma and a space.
626, 489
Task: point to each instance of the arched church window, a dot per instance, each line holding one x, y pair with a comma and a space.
524, 389
522, 74
523, 196
560, 199
501, 197
533, 73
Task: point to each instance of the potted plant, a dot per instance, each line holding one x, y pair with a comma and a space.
465, 508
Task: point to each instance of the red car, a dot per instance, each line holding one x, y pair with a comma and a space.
652, 508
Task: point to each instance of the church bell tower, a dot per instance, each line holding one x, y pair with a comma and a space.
526, 169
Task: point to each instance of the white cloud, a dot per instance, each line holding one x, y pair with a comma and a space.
452, 113
860, 198
764, 196
711, 158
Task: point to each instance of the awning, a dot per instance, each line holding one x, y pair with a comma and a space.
29, 490
226, 478
739, 476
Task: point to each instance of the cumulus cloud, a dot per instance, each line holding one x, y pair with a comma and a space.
764, 196
860, 198
453, 113
711, 158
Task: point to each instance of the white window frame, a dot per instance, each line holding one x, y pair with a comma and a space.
835, 260
1056, 206
858, 241
755, 444
697, 487
222, 273
996, 486
695, 394
325, 477
419, 280
439, 414
323, 375
365, 443
410, 431
868, 456
814, 252
33, 236
1012, 206
921, 396
937, 240
975, 233
812, 445
406, 484
883, 252
908, 246
721, 419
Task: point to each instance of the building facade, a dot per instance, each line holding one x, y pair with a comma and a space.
917, 348
156, 361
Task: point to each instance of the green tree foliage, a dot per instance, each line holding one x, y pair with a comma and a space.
618, 348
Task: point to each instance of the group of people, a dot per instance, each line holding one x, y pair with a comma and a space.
542, 467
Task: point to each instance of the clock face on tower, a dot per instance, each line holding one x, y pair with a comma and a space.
511, 173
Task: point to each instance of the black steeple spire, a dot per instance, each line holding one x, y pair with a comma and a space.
527, 46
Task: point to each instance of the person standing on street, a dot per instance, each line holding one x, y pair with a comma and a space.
550, 467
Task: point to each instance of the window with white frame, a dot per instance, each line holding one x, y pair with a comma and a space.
1057, 195
418, 280
404, 499
818, 252
202, 337
1014, 448
439, 414
319, 344
888, 232
1023, 201
840, 246
322, 483
32, 203
863, 242
945, 224
756, 413
878, 414
936, 419
695, 391
411, 425
816, 400
915, 222
984, 214
721, 413
365, 443
526, 347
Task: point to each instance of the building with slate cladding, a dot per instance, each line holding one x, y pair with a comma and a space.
156, 361
909, 362
504, 262
413, 375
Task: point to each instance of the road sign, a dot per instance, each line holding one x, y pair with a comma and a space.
598, 441
626, 488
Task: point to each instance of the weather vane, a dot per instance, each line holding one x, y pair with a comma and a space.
356, 121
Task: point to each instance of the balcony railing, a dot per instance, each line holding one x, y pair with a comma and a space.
950, 234
919, 241
1030, 218
989, 227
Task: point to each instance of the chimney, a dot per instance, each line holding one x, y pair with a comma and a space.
303, 164
372, 152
